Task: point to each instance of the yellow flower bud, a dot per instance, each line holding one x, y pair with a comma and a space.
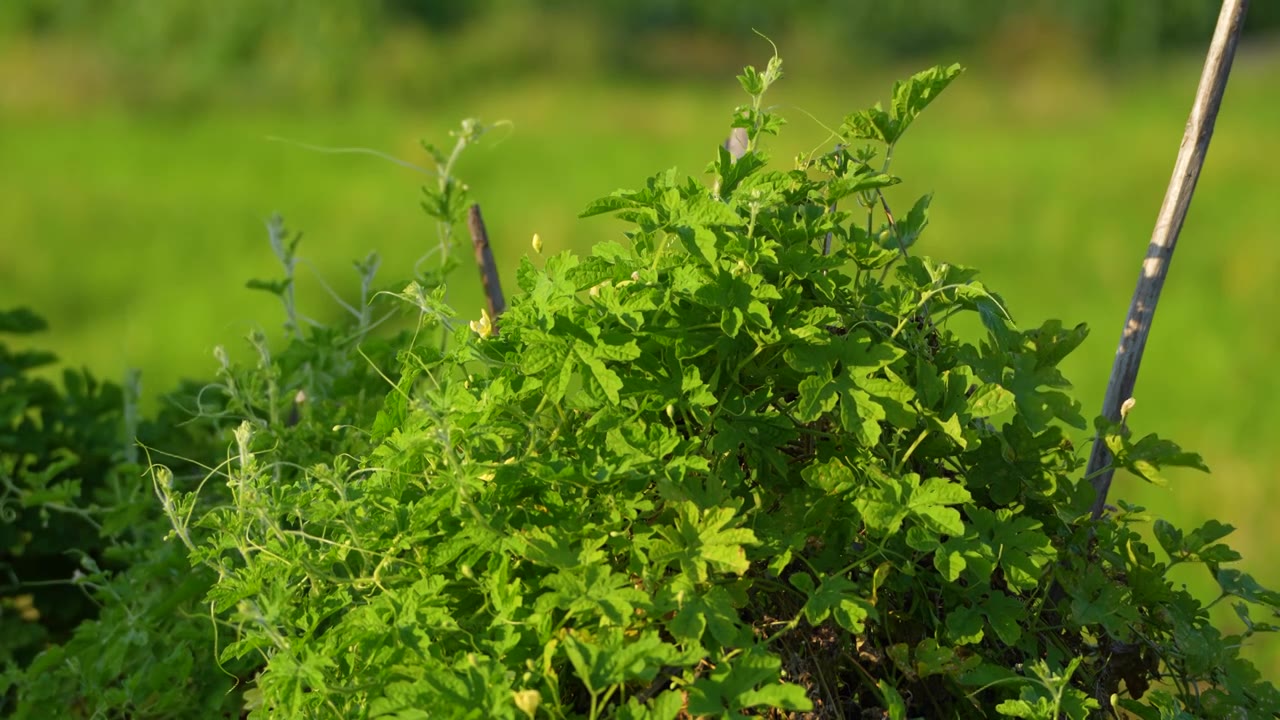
484, 326
527, 701
1127, 407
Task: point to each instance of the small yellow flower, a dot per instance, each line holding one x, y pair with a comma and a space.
1127, 407
484, 326
26, 607
595, 289
537, 243
527, 701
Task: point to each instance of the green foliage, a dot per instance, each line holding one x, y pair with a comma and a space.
145, 655
717, 471
63, 490
94, 599
96, 607
150, 648
739, 466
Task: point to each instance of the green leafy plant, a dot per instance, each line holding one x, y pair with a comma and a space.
147, 652
147, 647
741, 465
63, 490
93, 597
738, 466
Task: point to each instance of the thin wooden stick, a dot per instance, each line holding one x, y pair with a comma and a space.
1186, 170
488, 268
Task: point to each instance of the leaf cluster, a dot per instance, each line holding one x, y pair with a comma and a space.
62, 489
144, 644
738, 465
93, 597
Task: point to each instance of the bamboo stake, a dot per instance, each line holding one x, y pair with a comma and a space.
1177, 199
497, 304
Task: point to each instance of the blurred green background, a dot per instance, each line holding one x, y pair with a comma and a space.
136, 173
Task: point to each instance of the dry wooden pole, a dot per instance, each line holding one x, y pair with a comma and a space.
1186, 170
488, 268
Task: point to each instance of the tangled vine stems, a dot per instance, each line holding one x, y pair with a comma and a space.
446, 203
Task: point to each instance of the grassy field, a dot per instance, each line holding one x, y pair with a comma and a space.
135, 235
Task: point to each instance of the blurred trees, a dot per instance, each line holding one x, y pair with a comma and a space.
907, 27
321, 51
